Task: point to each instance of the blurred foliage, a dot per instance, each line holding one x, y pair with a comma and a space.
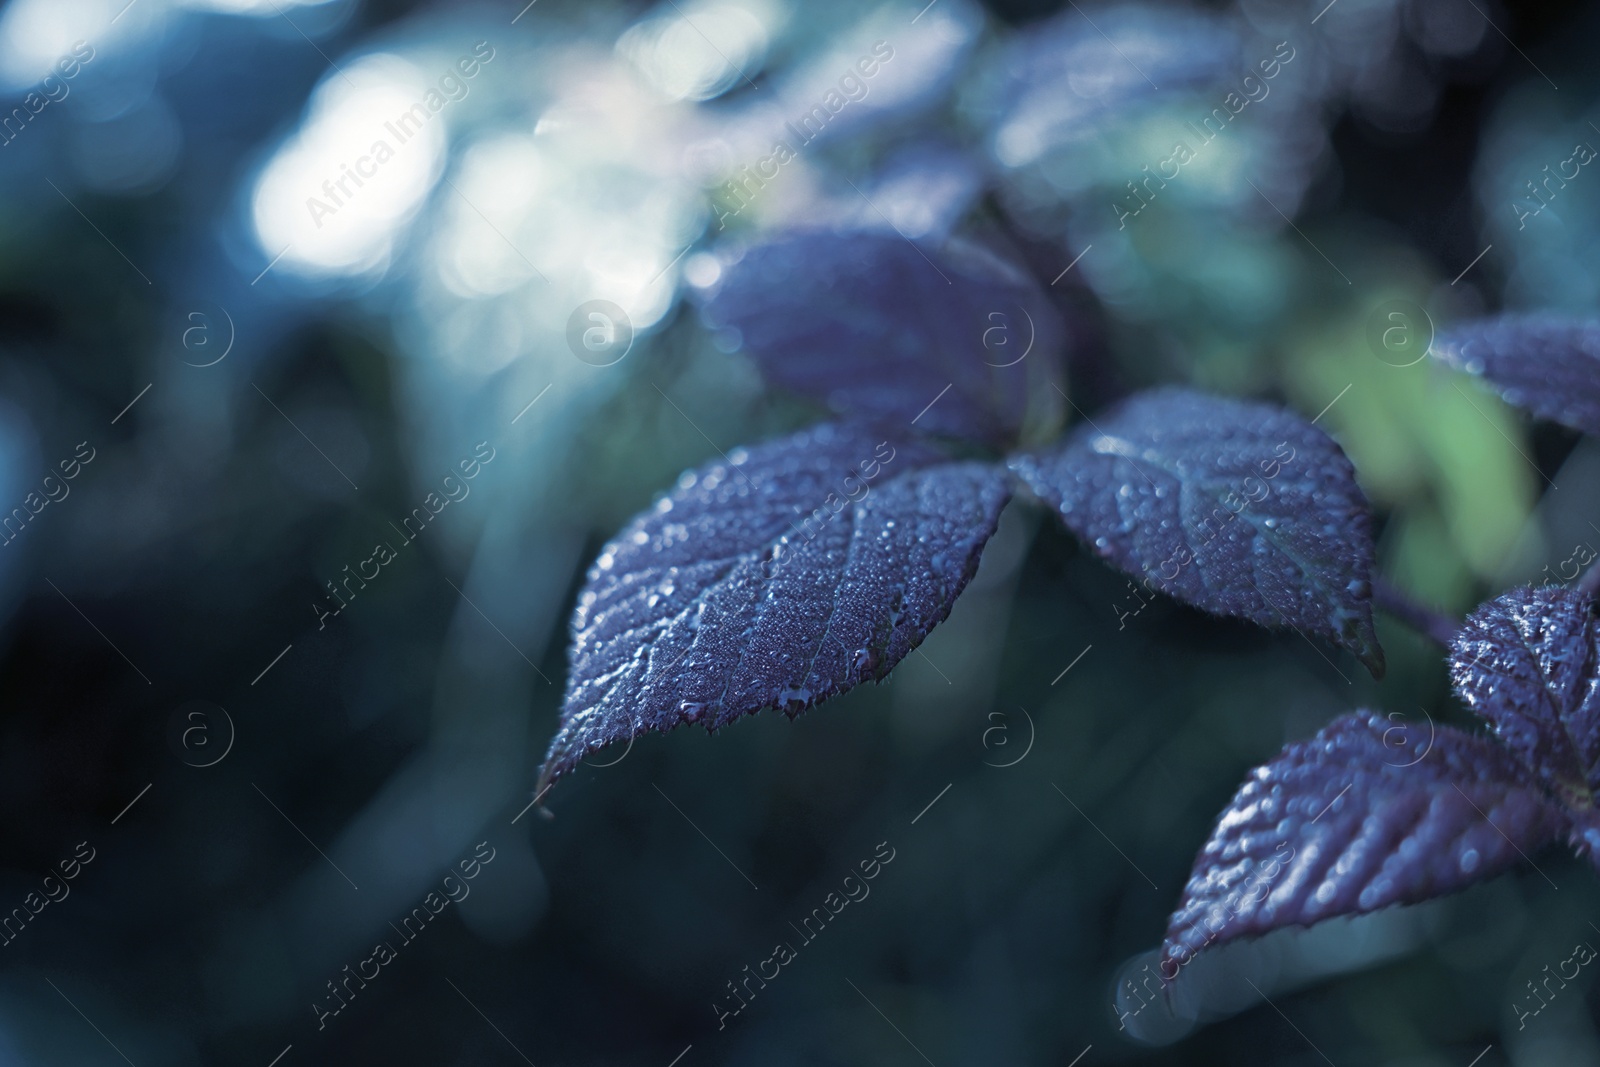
588, 161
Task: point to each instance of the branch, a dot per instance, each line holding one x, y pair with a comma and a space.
1433, 624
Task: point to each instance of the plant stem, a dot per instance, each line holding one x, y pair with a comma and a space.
1431, 623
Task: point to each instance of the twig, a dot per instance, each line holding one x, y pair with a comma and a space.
1433, 624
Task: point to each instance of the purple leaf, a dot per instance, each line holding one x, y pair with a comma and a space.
876, 327
1237, 508
1528, 663
1350, 822
1546, 364
801, 568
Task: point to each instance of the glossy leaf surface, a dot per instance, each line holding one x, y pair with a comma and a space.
805, 566
1352, 821
952, 340
1545, 364
1527, 662
1238, 508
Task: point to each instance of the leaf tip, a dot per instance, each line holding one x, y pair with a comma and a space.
1371, 655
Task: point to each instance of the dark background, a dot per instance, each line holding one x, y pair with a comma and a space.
382, 746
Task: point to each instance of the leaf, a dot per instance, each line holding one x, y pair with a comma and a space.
876, 327
1349, 822
1237, 508
1066, 80
1529, 663
758, 583
1546, 364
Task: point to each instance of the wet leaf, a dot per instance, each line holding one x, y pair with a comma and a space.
794, 572
1545, 364
1238, 508
876, 327
1528, 663
1352, 821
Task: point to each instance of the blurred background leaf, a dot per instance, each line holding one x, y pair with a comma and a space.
162, 189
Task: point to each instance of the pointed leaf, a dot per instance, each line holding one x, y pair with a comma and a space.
1528, 662
1350, 822
802, 567
1546, 364
876, 327
1238, 508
